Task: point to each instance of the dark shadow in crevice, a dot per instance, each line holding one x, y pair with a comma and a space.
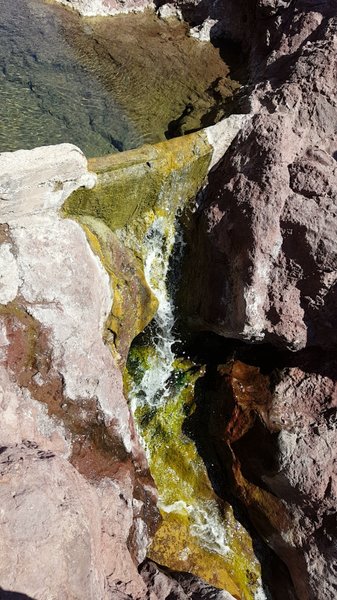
6, 595
275, 576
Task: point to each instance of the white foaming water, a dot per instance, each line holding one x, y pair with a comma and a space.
206, 523
159, 242
206, 519
208, 527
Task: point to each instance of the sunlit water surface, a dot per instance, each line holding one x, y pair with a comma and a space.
104, 84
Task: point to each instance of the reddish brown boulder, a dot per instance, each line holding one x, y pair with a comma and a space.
276, 436
264, 238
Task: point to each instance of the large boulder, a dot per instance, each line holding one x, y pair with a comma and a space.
62, 397
264, 238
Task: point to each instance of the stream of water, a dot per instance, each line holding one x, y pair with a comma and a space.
199, 532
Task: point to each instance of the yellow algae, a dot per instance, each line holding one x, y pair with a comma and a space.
199, 533
134, 305
130, 185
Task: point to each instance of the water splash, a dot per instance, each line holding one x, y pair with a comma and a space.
159, 242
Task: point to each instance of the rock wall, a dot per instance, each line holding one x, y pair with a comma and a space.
262, 257
268, 222
78, 500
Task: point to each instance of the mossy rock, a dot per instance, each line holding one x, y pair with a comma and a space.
152, 179
185, 491
133, 189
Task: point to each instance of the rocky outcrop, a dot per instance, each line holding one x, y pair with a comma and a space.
266, 230
262, 253
61, 399
206, 19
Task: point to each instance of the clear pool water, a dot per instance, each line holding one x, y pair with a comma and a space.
104, 84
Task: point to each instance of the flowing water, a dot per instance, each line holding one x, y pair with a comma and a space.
104, 84
199, 533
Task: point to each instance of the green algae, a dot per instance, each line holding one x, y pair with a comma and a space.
137, 196
184, 541
152, 179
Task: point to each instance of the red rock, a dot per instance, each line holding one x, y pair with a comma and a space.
62, 402
58, 534
264, 242
263, 256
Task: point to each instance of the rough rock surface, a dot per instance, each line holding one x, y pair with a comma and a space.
92, 8
62, 400
266, 232
58, 533
208, 19
262, 251
287, 480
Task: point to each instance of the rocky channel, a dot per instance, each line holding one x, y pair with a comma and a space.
167, 357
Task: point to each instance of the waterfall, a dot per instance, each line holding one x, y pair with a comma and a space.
159, 242
161, 391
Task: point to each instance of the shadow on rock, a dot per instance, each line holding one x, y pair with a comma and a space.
5, 595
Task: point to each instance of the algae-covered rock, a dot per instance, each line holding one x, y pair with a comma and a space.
133, 302
135, 190
152, 178
199, 533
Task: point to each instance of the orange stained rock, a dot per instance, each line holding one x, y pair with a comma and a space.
250, 393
